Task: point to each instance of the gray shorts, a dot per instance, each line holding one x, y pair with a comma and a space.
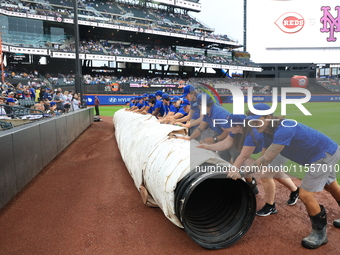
275, 169
321, 173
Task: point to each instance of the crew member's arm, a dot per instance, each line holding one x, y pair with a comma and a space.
186, 118
220, 146
222, 136
245, 154
196, 122
269, 155
156, 112
199, 130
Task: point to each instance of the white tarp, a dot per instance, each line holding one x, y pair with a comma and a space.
156, 160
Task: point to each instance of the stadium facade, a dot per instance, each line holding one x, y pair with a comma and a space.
129, 38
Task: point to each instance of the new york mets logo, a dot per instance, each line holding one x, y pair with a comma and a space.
333, 23
290, 22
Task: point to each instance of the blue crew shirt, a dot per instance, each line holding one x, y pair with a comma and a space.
173, 109
256, 141
151, 109
159, 104
303, 144
166, 108
197, 111
217, 112
181, 110
140, 105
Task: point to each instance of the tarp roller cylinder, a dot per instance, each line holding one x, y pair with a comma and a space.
215, 211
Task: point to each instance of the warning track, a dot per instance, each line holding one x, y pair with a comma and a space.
85, 202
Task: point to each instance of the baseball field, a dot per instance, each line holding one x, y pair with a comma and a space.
85, 202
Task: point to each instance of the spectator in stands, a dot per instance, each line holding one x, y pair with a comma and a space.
58, 99
67, 101
9, 110
52, 111
3, 113
37, 94
75, 103
46, 104
19, 91
26, 92
47, 94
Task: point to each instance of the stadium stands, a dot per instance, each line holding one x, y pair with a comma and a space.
331, 83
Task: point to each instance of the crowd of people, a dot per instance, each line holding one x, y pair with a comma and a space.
330, 83
35, 101
235, 140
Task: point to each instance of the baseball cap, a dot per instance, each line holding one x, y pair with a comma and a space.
199, 99
159, 93
52, 103
10, 100
185, 102
165, 96
152, 96
48, 89
175, 99
145, 95
260, 107
233, 120
187, 89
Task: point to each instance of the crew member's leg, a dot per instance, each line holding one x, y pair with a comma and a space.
316, 181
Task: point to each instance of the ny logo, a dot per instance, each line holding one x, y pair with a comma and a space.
333, 23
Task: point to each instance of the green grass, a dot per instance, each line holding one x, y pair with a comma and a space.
325, 118
109, 110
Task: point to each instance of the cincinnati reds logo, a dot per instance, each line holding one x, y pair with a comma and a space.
290, 22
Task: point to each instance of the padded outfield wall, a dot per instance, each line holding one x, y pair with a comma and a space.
123, 99
26, 150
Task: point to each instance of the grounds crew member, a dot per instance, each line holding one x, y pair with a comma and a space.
217, 112
309, 148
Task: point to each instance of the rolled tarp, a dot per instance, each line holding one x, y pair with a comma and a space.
171, 173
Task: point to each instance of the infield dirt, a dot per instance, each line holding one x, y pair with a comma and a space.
85, 202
